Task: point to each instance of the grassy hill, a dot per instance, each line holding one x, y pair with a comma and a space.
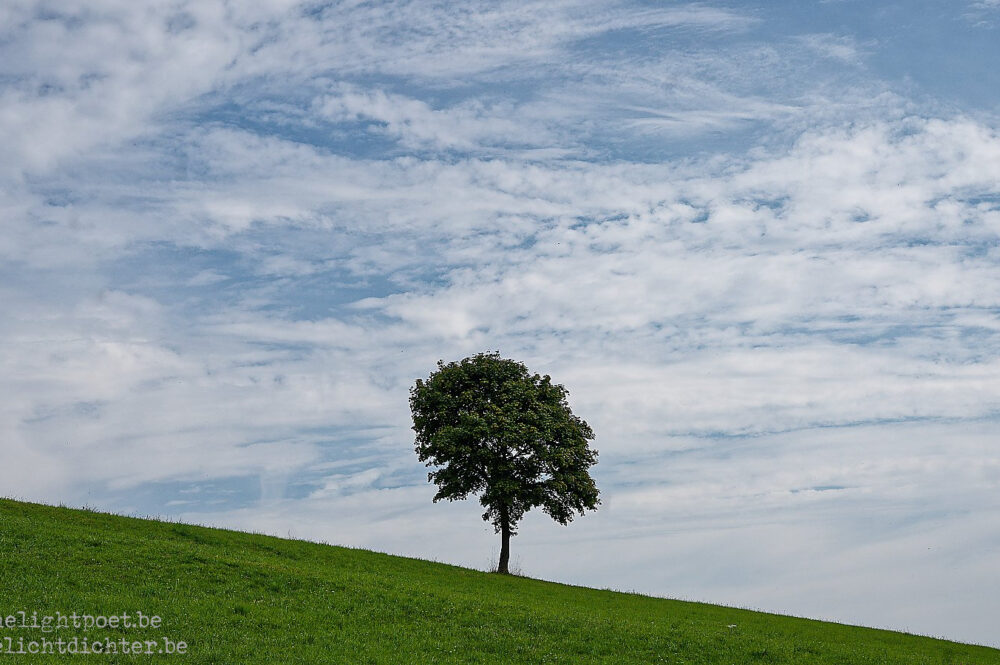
236, 598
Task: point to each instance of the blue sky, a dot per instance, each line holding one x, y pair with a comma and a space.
756, 241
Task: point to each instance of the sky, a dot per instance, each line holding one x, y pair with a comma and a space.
756, 241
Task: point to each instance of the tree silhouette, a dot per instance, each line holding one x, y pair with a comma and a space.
495, 430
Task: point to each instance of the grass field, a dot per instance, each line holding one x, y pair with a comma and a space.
236, 598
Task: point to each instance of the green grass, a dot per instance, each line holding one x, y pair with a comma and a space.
238, 598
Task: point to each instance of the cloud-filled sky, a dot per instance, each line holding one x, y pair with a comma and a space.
757, 242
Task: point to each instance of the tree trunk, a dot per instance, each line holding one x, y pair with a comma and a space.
504, 543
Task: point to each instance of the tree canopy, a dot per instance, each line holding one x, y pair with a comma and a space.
495, 430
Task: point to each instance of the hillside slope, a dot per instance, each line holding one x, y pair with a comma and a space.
235, 598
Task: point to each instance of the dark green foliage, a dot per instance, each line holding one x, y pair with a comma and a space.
495, 430
250, 599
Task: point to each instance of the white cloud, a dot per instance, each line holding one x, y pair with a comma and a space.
837, 47
980, 13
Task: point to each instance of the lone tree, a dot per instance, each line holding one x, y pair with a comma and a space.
495, 430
